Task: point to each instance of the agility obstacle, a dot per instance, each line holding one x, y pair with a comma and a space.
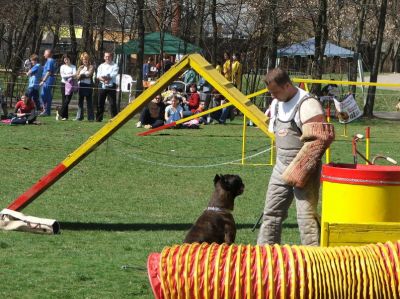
194, 61
243, 271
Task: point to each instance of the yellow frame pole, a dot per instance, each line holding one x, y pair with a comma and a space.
244, 138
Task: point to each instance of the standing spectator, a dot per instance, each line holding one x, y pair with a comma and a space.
47, 82
218, 67
34, 74
236, 71
107, 73
147, 69
84, 75
227, 67
67, 72
167, 63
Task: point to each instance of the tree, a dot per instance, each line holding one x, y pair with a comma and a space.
369, 104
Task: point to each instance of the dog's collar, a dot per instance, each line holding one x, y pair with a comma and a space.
216, 209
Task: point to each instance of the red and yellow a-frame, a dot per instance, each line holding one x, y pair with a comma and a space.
194, 61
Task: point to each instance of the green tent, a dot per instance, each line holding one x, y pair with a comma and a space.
172, 45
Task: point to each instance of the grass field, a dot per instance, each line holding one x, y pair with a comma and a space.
132, 196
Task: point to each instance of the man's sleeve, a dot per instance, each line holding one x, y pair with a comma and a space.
114, 71
310, 109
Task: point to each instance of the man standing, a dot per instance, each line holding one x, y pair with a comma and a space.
107, 73
47, 82
296, 119
34, 74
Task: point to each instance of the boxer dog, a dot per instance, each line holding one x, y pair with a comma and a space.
216, 224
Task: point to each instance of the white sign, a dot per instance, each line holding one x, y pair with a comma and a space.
347, 110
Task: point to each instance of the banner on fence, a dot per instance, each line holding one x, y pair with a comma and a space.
347, 109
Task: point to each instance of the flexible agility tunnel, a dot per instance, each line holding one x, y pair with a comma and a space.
246, 271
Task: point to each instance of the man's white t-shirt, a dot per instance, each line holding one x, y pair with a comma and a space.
308, 109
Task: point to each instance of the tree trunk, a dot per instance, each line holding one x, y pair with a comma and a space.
74, 46
274, 35
201, 5
140, 55
103, 11
214, 46
321, 37
369, 105
385, 56
360, 33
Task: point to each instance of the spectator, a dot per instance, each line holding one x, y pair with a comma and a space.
107, 73
218, 67
145, 115
236, 71
220, 115
193, 101
25, 111
167, 64
167, 95
151, 117
84, 76
147, 69
47, 82
67, 72
174, 111
34, 74
227, 67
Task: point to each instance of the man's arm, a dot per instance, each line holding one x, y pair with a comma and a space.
317, 136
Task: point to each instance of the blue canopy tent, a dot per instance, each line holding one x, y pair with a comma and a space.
307, 49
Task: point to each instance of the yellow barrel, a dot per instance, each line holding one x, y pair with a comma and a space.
360, 193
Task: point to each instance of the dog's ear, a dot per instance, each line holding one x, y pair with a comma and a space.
216, 179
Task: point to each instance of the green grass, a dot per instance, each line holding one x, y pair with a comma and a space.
130, 197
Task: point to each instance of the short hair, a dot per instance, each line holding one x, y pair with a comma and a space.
34, 57
66, 56
277, 75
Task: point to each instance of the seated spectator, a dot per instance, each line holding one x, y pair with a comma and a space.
220, 115
167, 95
25, 111
152, 116
193, 101
195, 123
174, 111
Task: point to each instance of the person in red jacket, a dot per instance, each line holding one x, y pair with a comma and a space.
192, 102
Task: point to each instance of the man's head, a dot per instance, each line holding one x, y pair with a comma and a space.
48, 53
279, 85
108, 57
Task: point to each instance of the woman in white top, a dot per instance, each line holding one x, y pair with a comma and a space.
67, 72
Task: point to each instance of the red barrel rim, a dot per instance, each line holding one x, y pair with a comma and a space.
360, 174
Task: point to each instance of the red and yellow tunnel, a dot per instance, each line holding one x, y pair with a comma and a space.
245, 271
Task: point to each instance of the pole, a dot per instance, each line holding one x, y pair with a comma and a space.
367, 144
244, 139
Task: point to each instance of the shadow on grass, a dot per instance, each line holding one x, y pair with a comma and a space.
144, 226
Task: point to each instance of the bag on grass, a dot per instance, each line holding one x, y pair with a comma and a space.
13, 220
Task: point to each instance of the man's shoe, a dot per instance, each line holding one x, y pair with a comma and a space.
139, 124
